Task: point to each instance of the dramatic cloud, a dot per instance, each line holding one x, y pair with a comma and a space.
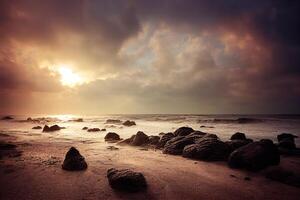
150, 56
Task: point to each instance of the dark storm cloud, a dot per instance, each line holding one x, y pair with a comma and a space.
248, 53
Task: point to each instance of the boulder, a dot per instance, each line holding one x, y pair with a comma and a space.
129, 123
126, 141
164, 139
140, 139
111, 136
126, 180
51, 128
176, 145
85, 128
93, 130
235, 144
183, 131
207, 148
74, 161
286, 141
154, 139
37, 127
238, 136
255, 156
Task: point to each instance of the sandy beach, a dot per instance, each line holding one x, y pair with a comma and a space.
37, 173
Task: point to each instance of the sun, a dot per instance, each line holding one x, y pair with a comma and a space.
68, 77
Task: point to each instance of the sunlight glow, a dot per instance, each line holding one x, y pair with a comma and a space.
68, 77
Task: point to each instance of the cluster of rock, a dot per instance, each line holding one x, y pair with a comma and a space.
51, 128
119, 122
93, 129
239, 152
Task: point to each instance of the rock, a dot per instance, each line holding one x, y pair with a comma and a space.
37, 127
154, 139
103, 129
285, 136
207, 148
238, 136
164, 139
140, 139
283, 175
126, 180
203, 126
129, 123
74, 161
290, 152
93, 130
111, 136
161, 133
76, 120
286, 141
244, 120
176, 145
255, 156
126, 141
113, 121
183, 131
51, 128
235, 144
85, 128
7, 118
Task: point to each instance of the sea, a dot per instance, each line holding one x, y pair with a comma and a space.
255, 127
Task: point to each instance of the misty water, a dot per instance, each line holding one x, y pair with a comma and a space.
255, 126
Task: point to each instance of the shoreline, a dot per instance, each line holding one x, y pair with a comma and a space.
37, 174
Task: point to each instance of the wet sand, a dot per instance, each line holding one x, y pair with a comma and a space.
37, 174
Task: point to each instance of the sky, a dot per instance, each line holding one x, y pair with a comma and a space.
144, 57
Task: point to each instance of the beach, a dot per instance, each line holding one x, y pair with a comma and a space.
37, 172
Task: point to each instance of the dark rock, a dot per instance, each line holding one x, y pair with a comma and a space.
74, 161
111, 136
85, 128
9, 150
282, 175
103, 129
203, 126
129, 123
7, 118
285, 136
207, 148
37, 127
164, 139
126, 141
93, 130
76, 120
51, 128
176, 145
126, 180
287, 144
255, 156
238, 136
183, 131
154, 139
286, 141
161, 133
113, 121
235, 144
140, 139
